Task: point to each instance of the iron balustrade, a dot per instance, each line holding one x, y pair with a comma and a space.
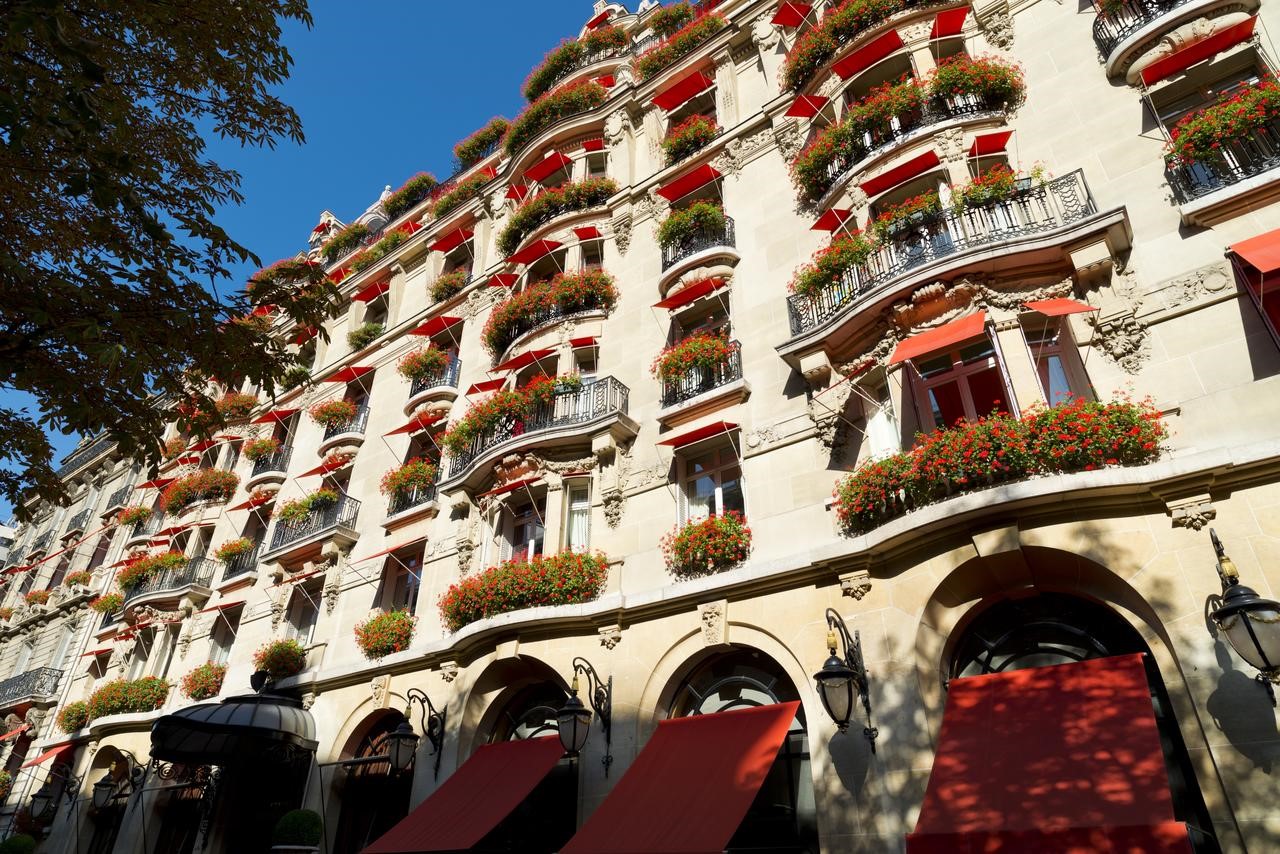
96, 446
197, 572
107, 619
240, 564
1253, 152
446, 376
278, 461
119, 498
78, 521
923, 239
147, 527
402, 501
41, 543
40, 682
695, 243
605, 396
365, 242
699, 380
531, 320
719, 132
586, 60
342, 513
355, 425
1123, 19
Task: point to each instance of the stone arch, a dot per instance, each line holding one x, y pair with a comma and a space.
357, 722
487, 696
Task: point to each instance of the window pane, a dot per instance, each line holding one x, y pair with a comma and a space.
579, 519
931, 367
987, 389
702, 495
1054, 378
731, 495
699, 464
947, 406
978, 350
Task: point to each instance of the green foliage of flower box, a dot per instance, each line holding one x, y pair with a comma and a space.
81, 578
412, 193
679, 45
379, 251
108, 603
133, 514
344, 241
298, 827
566, 293
458, 195
1200, 135
839, 26
424, 362
561, 579
700, 219
204, 681
203, 485
692, 134
666, 21
988, 77
568, 55
830, 262
139, 569
475, 147
123, 696
232, 549
236, 405
485, 414
384, 634
706, 350
449, 284
257, 449
281, 658
38, 597
549, 204
294, 377
364, 335
333, 413
707, 546
300, 508
417, 473
555, 105
73, 716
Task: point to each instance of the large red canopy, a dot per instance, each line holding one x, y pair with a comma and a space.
944, 336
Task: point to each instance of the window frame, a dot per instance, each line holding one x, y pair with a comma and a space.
1065, 349
570, 486
726, 457
960, 373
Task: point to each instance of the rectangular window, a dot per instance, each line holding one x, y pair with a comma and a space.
597, 164
577, 517
963, 384
223, 635
401, 581
883, 436
168, 641
527, 533
711, 484
142, 644
592, 255
304, 612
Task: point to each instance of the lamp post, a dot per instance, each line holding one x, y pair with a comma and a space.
110, 786
840, 679
574, 718
44, 802
402, 743
1250, 623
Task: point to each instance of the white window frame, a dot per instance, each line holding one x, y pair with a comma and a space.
222, 637
300, 601
727, 458
1063, 347
960, 373
581, 507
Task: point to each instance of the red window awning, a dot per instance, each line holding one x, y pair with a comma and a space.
275, 416
262, 310
605, 80
65, 747
689, 293
550, 164
832, 219
688, 182
905, 171
410, 227
1077, 765
534, 251
1181, 60
593, 144
350, 373
189, 459
328, 465
436, 325
683, 90
484, 791
1261, 252
791, 14
1058, 307
689, 788
304, 335
158, 483
391, 549
807, 106
989, 143
486, 385
517, 191
451, 241
585, 341
521, 360
203, 445
946, 335
948, 23
93, 653
11, 733
254, 501
599, 19
418, 422
697, 434
339, 274
171, 530
222, 606
503, 280
587, 232
868, 55
510, 486
372, 292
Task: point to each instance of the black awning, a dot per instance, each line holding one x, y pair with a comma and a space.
249, 728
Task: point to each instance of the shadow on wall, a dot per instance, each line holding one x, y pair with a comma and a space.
1242, 711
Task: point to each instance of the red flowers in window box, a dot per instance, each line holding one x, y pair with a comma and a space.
411, 193
344, 241
417, 473
424, 362
700, 219
459, 194
707, 546
831, 262
108, 603
565, 294
236, 405
204, 682
549, 204
1200, 135
300, 508
383, 634
476, 147
81, 578
281, 658
570, 55
232, 549
555, 105
73, 716
561, 579
122, 696
690, 135
133, 514
705, 350
139, 569
256, 449
485, 414
679, 44
204, 485
38, 597
333, 413
448, 284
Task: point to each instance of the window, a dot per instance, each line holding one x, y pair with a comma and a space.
65, 638
167, 639
100, 550
1057, 365
882, 434
962, 384
304, 611
200, 541
231, 456
891, 70
526, 539
142, 643
401, 581
577, 516
592, 255
23, 662
59, 571
597, 164
711, 484
1204, 85
223, 635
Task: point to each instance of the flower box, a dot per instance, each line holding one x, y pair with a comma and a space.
666, 21
236, 406
384, 634
679, 45
700, 219
707, 546
909, 212
1201, 135
133, 514
488, 413
839, 26
476, 147
555, 105
38, 597
333, 413
204, 682
108, 603
232, 549
6, 613
173, 448
417, 473
459, 194
831, 262
300, 508
204, 485
265, 285
571, 54
413, 192
565, 294
344, 241
694, 133
73, 716
367, 258
449, 284
424, 362
295, 376
988, 77
122, 696
562, 579
705, 351
549, 204
139, 569
78, 579
281, 658
364, 335
258, 449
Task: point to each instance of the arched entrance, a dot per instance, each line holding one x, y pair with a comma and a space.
373, 798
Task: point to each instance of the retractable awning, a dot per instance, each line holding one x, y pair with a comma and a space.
868, 55
1181, 60
688, 182
689, 293
1058, 307
697, 434
948, 23
946, 335
451, 240
534, 251
683, 90
586, 232
690, 787
1261, 252
807, 106
157, 483
254, 501
901, 173
1059, 758
391, 549
832, 219
521, 360
791, 14
372, 292
18, 731
416, 423
989, 143
485, 385
502, 280
238, 730
511, 486
550, 164
435, 325
480, 794
596, 143
348, 374
304, 335
275, 416
65, 748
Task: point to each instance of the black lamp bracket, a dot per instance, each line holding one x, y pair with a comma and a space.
432, 722
600, 695
838, 631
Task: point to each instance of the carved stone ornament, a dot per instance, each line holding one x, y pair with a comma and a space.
1210, 280
919, 31
764, 32
789, 138
622, 232
997, 26
1167, 42
856, 584
308, 700
1193, 512
826, 410
715, 622
1123, 340
448, 671
760, 437
610, 636
739, 150
613, 500
950, 145
378, 687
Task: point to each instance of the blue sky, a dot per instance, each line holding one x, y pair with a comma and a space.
384, 88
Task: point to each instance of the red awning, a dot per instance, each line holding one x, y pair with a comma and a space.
223, 606
304, 335
791, 14
534, 251
989, 143
593, 144
171, 530
203, 445
548, 165
391, 549
503, 280
350, 373
807, 106
585, 341
697, 434
158, 483
924, 343
11, 733
451, 240
682, 90
832, 219
474, 799
254, 501
689, 293
436, 325
689, 788
410, 227
868, 55
1261, 252
487, 385
1076, 766
517, 191
1058, 307
948, 23
93, 653
262, 310
521, 360
688, 182
599, 19
1181, 60
48, 754
489, 172
510, 486
372, 292
338, 275
605, 80
275, 416
587, 232
917, 165
328, 465
189, 459
418, 422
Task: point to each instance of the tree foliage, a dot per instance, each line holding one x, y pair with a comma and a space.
110, 258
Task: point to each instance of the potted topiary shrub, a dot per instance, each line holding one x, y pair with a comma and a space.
298, 831
22, 843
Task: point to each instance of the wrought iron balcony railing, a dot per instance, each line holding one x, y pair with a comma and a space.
696, 243
446, 376
540, 317
355, 425
147, 527
119, 498
701, 380
402, 501
928, 238
197, 572
279, 461
40, 682
341, 513
78, 521
41, 543
605, 396
586, 60
1120, 20
1253, 152
97, 446
240, 564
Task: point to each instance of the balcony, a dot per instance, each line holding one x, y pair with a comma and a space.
697, 243
41, 683
441, 383
197, 572
351, 433
700, 381
146, 529
336, 521
1236, 162
118, 500
41, 543
919, 243
1123, 19
78, 523
563, 420
403, 502
269, 469
241, 564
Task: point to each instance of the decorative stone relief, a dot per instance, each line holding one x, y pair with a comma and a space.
378, 687
997, 26
738, 151
1123, 340
466, 542
613, 501
308, 700
448, 671
622, 232
1169, 42
1208, 281
826, 410
610, 636
764, 32
916, 32
761, 436
724, 87
623, 76
950, 145
1193, 512
856, 584
831, 86
789, 139
715, 622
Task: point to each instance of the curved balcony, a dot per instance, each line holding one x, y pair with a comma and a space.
700, 381
269, 469
77, 523
118, 500
697, 244
586, 61
919, 243
404, 506
349, 433
597, 408
240, 564
40, 683
336, 521
145, 530
196, 574
1237, 160
440, 384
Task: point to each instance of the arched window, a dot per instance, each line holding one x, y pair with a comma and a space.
373, 799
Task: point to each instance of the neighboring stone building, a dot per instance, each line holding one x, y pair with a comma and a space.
1092, 268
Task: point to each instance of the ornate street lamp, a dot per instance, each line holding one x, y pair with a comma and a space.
841, 679
575, 719
1251, 624
111, 786
44, 801
402, 743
